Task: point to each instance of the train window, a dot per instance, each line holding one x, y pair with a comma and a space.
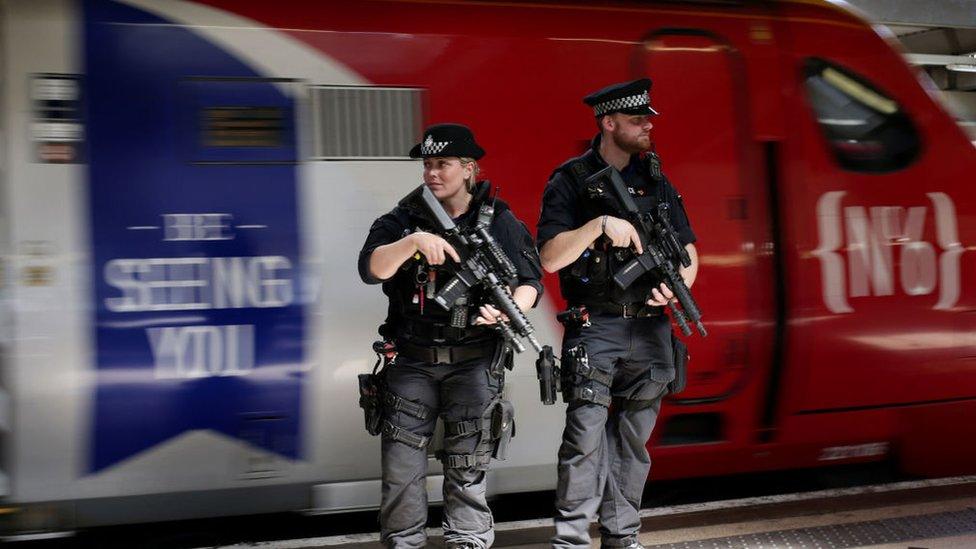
235, 121
867, 130
365, 122
243, 126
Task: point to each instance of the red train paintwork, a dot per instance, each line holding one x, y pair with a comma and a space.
794, 383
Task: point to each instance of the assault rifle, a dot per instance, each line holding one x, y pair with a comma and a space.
661, 249
483, 262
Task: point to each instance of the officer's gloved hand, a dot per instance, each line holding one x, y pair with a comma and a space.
622, 234
660, 296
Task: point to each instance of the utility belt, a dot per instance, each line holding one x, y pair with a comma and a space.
626, 310
447, 354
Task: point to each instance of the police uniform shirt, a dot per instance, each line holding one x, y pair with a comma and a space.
510, 233
562, 208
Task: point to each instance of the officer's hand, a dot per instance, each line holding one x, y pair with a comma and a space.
434, 248
488, 315
660, 297
622, 234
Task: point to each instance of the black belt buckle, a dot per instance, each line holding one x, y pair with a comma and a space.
629, 311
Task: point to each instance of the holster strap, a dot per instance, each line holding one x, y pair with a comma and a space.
588, 371
589, 395
465, 461
395, 402
399, 434
459, 429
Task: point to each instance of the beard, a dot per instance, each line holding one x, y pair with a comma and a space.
631, 144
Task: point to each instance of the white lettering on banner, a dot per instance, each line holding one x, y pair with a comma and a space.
190, 352
195, 283
206, 226
870, 242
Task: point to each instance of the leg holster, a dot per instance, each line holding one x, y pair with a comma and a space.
372, 387
495, 429
370, 394
579, 378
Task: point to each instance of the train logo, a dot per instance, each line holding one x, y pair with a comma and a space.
872, 237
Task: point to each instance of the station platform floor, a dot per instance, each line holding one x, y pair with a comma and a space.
927, 514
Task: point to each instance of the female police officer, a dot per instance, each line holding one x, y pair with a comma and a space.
441, 369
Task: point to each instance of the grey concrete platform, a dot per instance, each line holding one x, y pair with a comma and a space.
929, 514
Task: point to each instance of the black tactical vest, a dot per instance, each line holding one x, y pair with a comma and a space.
590, 278
411, 290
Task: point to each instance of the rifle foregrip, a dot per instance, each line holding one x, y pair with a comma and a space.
690, 308
679, 318
510, 336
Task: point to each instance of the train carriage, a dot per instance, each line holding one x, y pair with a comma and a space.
186, 186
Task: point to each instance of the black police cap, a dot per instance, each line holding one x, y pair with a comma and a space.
447, 140
624, 97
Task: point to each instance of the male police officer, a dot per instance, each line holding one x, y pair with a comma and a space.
621, 356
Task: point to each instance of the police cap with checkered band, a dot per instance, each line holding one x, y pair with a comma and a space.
624, 97
447, 140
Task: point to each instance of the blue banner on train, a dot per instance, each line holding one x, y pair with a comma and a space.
192, 189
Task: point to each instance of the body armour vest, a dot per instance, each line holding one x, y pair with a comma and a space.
589, 279
412, 288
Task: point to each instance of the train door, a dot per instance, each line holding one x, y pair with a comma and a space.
702, 137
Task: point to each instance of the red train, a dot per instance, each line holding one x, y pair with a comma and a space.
829, 190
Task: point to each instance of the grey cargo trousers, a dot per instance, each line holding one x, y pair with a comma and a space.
459, 393
603, 459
